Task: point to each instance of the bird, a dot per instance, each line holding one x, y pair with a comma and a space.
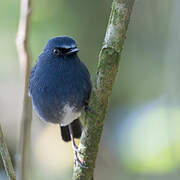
60, 87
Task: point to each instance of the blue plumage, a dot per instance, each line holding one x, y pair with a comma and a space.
59, 83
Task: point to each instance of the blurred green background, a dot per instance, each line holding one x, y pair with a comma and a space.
141, 138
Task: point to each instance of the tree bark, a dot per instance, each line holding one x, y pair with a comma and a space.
6, 157
106, 72
25, 64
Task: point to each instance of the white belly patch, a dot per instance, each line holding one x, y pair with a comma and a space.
69, 115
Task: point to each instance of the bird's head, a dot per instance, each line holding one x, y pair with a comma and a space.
61, 46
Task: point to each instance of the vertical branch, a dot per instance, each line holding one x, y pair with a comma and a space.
6, 157
25, 64
107, 69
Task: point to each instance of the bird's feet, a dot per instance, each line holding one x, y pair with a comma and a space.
78, 161
76, 158
75, 148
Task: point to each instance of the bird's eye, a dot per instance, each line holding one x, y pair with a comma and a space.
57, 51
64, 50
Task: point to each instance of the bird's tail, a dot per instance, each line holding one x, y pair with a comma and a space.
76, 129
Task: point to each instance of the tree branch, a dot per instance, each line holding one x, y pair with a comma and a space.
6, 157
106, 72
25, 64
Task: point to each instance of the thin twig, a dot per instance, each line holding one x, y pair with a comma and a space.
25, 64
6, 157
107, 69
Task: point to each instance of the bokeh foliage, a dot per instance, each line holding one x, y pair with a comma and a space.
142, 83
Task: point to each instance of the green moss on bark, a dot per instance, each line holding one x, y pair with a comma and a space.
106, 72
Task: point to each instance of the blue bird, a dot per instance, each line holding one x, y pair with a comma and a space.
60, 87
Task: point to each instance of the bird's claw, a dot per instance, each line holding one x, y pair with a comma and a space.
77, 161
75, 147
76, 150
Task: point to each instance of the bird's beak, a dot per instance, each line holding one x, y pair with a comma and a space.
73, 50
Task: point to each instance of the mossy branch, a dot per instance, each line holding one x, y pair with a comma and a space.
106, 72
6, 157
25, 64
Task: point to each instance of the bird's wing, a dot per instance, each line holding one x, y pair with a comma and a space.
88, 86
30, 80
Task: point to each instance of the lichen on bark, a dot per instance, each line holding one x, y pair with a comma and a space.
108, 64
